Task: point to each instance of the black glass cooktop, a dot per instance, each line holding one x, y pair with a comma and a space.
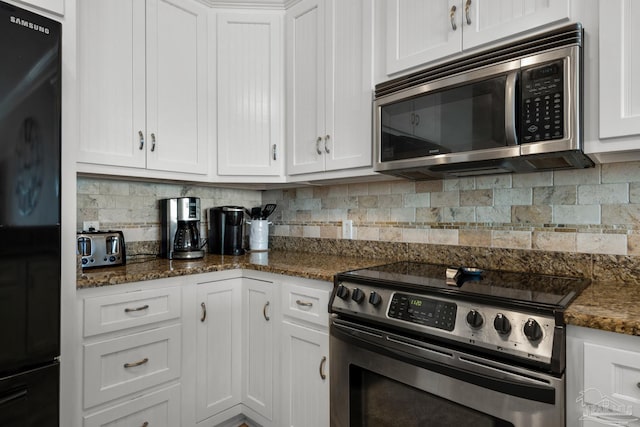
491, 285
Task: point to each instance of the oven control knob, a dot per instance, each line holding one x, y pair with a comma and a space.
502, 324
357, 295
532, 330
375, 298
342, 292
474, 319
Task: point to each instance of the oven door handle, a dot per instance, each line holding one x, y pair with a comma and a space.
453, 365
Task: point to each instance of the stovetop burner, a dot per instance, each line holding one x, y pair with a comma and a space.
518, 288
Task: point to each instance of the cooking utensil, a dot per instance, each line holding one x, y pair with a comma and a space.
256, 213
268, 210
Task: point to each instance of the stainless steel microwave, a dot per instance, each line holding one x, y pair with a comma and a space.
517, 108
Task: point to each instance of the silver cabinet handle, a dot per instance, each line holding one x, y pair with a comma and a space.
264, 311
138, 363
275, 152
153, 142
467, 11
141, 137
326, 144
304, 304
130, 310
452, 16
417, 121
318, 141
321, 368
204, 312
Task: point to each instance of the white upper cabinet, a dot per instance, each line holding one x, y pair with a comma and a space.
249, 98
143, 80
419, 32
55, 6
619, 69
329, 85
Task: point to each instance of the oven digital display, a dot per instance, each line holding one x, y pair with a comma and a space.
423, 311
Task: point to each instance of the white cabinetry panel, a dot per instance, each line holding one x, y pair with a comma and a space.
250, 94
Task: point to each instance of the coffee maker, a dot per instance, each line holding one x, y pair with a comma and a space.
180, 221
226, 230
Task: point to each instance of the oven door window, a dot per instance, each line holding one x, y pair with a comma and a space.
378, 401
464, 118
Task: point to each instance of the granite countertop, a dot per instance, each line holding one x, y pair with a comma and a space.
307, 265
605, 306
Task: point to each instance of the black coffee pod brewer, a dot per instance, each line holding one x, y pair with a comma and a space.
226, 230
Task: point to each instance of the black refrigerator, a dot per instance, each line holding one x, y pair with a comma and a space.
30, 91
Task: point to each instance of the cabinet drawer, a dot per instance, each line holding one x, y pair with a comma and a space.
158, 409
306, 303
116, 312
612, 375
121, 366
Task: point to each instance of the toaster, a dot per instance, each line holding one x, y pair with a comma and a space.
101, 248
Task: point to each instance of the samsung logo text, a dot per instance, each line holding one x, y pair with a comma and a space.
29, 25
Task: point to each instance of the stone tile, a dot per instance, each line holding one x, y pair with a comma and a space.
597, 243
379, 215
336, 215
378, 188
493, 214
512, 196
417, 200
476, 197
558, 195
435, 186
358, 189
474, 238
296, 231
621, 172
339, 202
445, 199
304, 193
443, 236
460, 184
577, 176
633, 244
530, 180
330, 232
390, 201
87, 186
621, 214
280, 230
367, 233
311, 231
634, 192
531, 214
429, 214
403, 187
511, 239
367, 202
603, 194
142, 189
357, 215
576, 214
118, 188
391, 234
459, 214
493, 181
403, 215
554, 241
305, 204
415, 235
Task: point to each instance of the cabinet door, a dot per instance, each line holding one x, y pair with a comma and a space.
349, 83
55, 6
419, 32
619, 69
258, 352
176, 86
304, 363
218, 338
485, 21
250, 94
305, 87
111, 56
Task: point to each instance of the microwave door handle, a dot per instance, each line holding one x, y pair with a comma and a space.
510, 108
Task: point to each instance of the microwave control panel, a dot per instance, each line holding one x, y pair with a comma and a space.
542, 100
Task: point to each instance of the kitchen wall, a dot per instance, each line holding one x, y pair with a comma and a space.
133, 207
591, 211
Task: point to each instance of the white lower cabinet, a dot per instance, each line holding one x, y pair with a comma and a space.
603, 378
305, 353
131, 354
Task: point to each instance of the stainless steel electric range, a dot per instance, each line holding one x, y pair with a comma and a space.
423, 344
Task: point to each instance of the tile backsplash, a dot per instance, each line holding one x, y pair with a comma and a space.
591, 211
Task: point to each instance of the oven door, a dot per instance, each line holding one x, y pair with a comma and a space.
383, 379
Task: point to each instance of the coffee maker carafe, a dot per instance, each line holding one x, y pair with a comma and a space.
181, 228
226, 230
